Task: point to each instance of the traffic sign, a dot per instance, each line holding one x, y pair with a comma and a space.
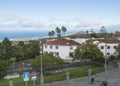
34, 78
26, 76
33, 74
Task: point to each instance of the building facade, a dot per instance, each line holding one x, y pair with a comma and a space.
62, 48
107, 46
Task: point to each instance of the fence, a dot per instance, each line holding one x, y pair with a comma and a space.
112, 65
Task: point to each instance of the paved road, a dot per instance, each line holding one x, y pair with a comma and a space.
113, 78
25, 66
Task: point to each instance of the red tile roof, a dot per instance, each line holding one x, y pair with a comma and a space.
108, 40
116, 34
61, 42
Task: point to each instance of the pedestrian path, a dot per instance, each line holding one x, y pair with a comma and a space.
113, 78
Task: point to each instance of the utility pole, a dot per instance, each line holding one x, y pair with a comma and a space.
105, 57
41, 66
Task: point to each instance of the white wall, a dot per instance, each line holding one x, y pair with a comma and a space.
65, 50
117, 37
80, 40
62, 50
105, 50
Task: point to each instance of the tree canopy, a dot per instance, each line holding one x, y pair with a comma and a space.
26, 51
3, 68
92, 51
78, 54
118, 49
88, 51
103, 32
20, 51
58, 31
48, 60
6, 47
63, 29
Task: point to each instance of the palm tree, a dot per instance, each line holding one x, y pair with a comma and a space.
64, 29
58, 32
87, 31
103, 32
91, 30
52, 33
49, 34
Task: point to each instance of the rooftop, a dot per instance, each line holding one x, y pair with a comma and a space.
108, 40
61, 42
116, 34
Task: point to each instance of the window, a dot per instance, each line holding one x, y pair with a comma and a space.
50, 47
108, 53
56, 54
102, 47
45, 46
114, 47
71, 47
108, 47
71, 54
56, 47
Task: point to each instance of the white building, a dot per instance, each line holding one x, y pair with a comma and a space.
80, 40
107, 46
62, 47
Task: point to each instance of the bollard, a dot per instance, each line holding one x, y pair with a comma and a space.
67, 76
10, 82
118, 65
89, 72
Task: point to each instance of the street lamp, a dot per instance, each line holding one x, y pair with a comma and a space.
41, 67
105, 58
23, 65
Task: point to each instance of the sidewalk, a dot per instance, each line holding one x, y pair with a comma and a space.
113, 78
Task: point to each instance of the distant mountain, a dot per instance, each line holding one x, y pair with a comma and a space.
79, 32
84, 34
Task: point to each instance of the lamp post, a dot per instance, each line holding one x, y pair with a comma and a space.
41, 67
23, 65
105, 58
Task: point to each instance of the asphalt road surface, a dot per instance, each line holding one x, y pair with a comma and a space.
112, 77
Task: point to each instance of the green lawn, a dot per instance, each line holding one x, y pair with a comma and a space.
74, 73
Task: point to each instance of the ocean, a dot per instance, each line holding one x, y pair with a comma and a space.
23, 34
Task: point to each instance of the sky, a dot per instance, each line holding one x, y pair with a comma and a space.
49, 14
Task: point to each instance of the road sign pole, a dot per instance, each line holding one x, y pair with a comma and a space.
26, 77
26, 83
33, 82
10, 82
34, 76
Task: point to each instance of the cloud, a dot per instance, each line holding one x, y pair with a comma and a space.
14, 22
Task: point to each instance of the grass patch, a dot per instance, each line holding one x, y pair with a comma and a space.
60, 76
83, 71
74, 73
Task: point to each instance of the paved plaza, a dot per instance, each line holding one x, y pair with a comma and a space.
113, 78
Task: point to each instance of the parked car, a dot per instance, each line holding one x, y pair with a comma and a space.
12, 75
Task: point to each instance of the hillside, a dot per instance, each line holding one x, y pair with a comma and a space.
83, 34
